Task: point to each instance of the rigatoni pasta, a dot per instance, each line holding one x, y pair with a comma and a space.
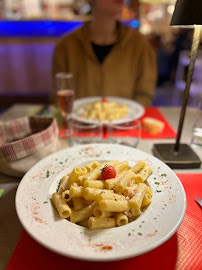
109, 110
86, 197
63, 209
101, 222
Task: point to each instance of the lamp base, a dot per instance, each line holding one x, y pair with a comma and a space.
186, 158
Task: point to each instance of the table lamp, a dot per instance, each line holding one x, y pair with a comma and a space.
187, 13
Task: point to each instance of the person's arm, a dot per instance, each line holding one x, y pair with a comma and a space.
59, 64
147, 76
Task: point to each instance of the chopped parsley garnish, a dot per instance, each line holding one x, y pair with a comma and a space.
45, 202
108, 152
102, 170
157, 183
115, 200
139, 233
140, 170
1, 192
164, 174
158, 190
58, 187
129, 234
47, 174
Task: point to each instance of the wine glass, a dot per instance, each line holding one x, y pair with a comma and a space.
65, 97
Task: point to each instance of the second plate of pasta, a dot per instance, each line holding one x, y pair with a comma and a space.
93, 202
112, 109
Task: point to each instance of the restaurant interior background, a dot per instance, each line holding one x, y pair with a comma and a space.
29, 30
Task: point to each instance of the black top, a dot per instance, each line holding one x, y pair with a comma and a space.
101, 51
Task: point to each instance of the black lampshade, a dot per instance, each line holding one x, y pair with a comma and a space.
187, 12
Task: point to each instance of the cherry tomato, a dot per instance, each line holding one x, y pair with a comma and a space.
108, 172
104, 99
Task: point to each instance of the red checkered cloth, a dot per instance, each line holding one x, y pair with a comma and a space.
25, 141
24, 136
14, 130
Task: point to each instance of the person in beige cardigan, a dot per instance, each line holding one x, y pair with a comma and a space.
107, 58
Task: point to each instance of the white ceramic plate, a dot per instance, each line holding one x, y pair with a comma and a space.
156, 225
135, 111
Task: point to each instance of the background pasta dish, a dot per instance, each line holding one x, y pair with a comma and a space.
105, 110
115, 110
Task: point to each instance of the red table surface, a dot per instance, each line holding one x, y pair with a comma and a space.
182, 251
168, 131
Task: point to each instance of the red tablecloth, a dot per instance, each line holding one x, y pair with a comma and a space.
182, 251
